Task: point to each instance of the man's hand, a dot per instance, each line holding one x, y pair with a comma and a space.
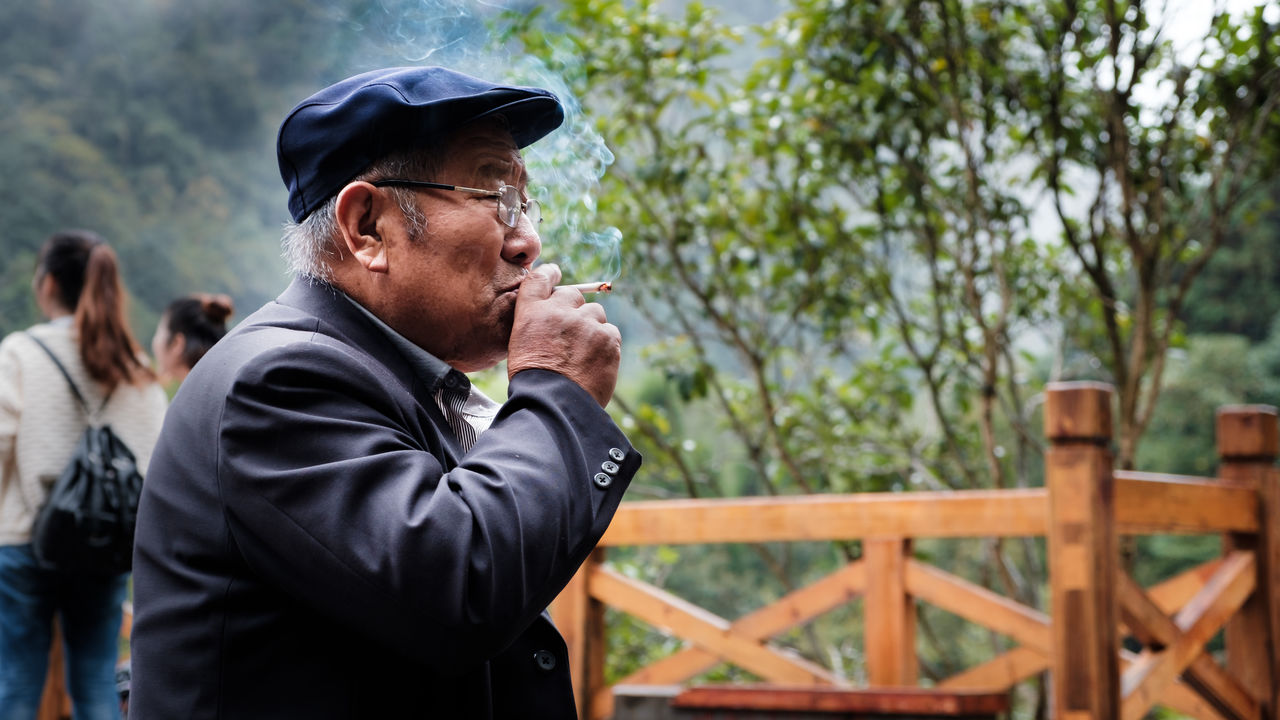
559, 330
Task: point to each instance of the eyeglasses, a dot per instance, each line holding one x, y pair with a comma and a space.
509, 203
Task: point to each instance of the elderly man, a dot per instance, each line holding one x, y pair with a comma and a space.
335, 524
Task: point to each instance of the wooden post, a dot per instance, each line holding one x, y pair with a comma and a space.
1082, 552
1248, 441
596, 647
55, 703
889, 617
580, 619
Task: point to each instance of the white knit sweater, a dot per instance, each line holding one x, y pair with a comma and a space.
40, 420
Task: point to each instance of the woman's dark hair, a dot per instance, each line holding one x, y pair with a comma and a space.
201, 320
85, 270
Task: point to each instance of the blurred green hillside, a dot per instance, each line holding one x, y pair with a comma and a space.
153, 122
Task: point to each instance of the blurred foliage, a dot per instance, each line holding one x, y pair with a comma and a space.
146, 121
856, 240
153, 123
1148, 156
1212, 371
863, 253
1239, 292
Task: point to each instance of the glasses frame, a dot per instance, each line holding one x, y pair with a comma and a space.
525, 205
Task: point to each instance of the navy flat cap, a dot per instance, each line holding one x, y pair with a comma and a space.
335, 134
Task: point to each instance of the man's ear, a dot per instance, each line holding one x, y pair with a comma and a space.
359, 207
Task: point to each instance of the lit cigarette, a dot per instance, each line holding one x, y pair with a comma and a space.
591, 287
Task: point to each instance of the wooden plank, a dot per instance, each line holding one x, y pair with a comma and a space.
55, 703
798, 607
1267, 596
569, 612
1248, 443
1147, 504
1248, 432
793, 609
1172, 594
1078, 412
898, 701
1002, 672
683, 619
126, 627
1198, 621
1180, 698
977, 604
1163, 477
1143, 618
1081, 556
1082, 552
1156, 630
600, 707
1251, 636
597, 645
959, 513
889, 621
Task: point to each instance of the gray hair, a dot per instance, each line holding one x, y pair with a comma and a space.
311, 246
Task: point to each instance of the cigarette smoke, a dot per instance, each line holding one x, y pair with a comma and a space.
565, 167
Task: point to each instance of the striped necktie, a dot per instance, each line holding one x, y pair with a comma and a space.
451, 400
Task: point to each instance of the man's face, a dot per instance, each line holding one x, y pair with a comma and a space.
455, 286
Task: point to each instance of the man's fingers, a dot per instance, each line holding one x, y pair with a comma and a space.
575, 297
595, 310
540, 282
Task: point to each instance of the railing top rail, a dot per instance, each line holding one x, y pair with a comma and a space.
1146, 503
1162, 477
1149, 504
960, 513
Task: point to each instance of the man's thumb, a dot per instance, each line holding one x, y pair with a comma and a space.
539, 283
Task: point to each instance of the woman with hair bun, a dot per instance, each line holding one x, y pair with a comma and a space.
78, 289
189, 326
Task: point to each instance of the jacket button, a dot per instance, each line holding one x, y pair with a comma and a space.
545, 660
616, 454
610, 467
603, 480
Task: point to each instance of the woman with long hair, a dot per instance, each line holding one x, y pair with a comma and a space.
78, 289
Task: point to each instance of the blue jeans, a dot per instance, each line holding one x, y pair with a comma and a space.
89, 610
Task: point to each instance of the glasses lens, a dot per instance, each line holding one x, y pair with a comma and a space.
534, 210
509, 205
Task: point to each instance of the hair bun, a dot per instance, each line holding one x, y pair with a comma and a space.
216, 307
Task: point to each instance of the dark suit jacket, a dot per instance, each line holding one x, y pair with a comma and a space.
311, 543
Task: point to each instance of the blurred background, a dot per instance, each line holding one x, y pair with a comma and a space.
853, 240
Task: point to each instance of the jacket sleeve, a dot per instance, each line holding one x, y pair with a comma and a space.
330, 489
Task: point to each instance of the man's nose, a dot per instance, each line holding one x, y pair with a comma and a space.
522, 244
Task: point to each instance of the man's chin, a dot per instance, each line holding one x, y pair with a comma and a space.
478, 364
483, 358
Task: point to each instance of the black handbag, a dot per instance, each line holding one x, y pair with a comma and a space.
87, 523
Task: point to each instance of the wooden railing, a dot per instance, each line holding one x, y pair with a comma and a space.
1082, 510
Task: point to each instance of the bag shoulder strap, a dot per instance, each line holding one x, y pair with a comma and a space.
84, 405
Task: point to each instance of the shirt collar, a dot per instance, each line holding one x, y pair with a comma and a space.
433, 371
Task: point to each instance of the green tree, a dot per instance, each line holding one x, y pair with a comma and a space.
1239, 291
836, 246
1145, 189
734, 253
